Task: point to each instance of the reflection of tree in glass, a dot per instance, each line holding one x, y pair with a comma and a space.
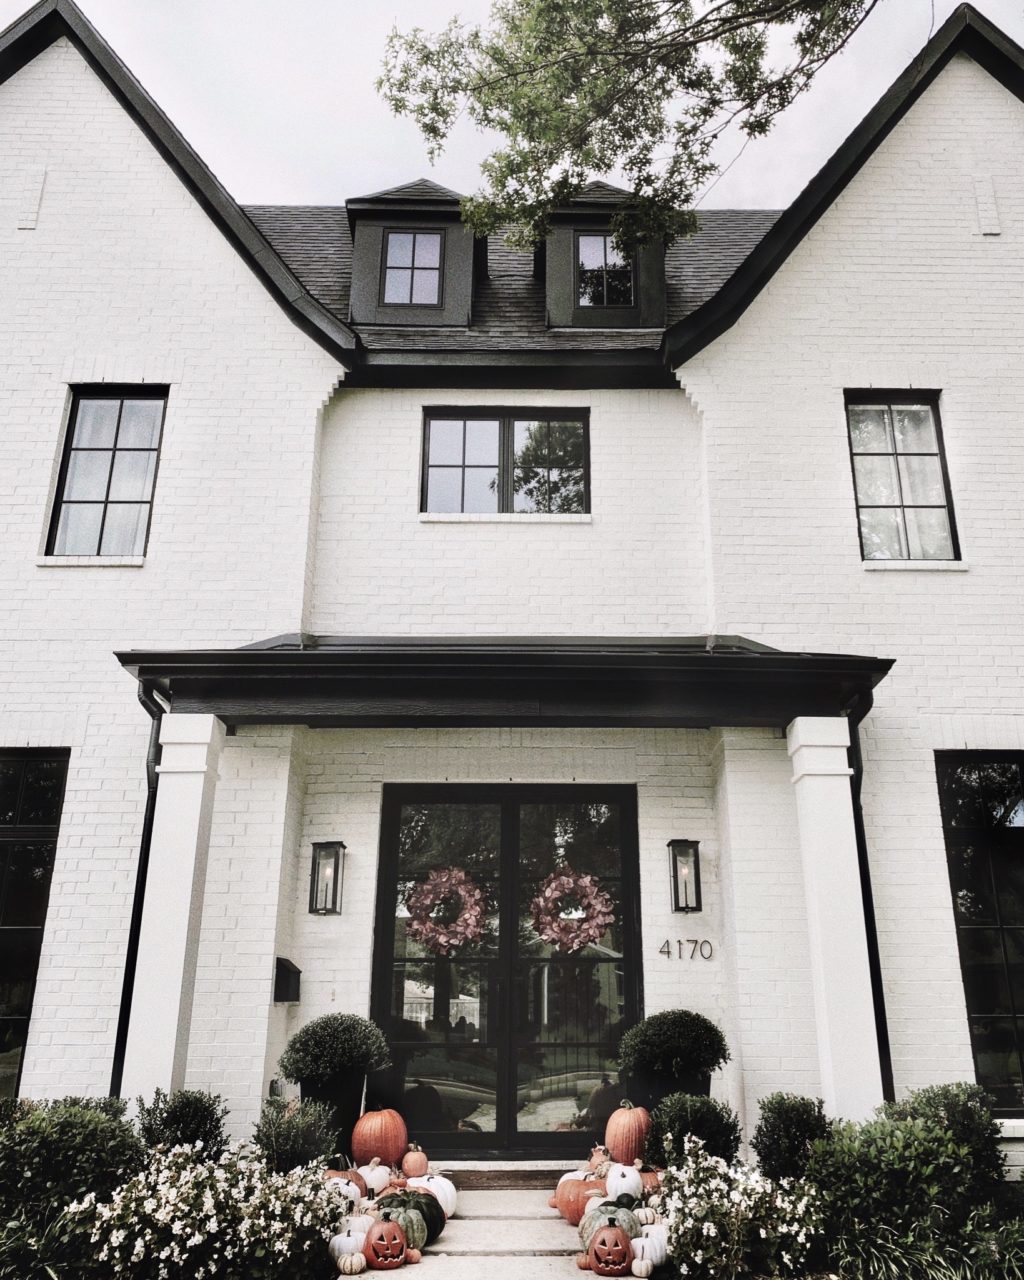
549, 467
450, 835
982, 795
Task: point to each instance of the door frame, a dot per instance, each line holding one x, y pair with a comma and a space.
393, 796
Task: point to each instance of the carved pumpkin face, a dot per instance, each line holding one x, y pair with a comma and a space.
384, 1247
610, 1252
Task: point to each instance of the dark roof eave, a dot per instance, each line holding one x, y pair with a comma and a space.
613, 682
26, 38
540, 368
965, 31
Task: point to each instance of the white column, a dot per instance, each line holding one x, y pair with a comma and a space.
847, 1043
169, 940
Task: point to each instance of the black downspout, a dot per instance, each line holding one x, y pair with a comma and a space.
131, 959
857, 714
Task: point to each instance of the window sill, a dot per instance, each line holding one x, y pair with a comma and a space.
503, 517
916, 566
90, 562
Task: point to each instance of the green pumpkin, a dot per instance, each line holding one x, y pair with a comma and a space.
603, 1214
428, 1208
412, 1223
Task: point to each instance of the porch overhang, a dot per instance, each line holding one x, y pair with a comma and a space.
534, 682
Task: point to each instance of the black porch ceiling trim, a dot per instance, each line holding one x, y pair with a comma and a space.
332, 682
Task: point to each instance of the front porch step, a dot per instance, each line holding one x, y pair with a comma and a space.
505, 1237
521, 1266
495, 1175
505, 1206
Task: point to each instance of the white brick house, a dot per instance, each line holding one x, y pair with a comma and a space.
228, 457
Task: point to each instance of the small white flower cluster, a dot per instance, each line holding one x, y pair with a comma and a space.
730, 1220
232, 1217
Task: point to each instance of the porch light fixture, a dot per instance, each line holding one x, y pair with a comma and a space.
325, 878
684, 856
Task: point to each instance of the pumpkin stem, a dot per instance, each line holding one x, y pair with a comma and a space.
627, 1104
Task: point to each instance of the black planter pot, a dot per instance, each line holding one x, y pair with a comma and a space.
344, 1095
648, 1088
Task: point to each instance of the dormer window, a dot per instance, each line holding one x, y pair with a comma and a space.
413, 268
604, 277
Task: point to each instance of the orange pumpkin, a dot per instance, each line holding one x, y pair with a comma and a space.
610, 1253
625, 1134
573, 1197
649, 1177
414, 1162
598, 1156
384, 1247
379, 1133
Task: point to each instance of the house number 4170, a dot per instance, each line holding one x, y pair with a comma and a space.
688, 949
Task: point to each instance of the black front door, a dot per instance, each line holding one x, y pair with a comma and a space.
506, 961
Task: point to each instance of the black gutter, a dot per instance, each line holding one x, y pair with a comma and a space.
857, 714
131, 959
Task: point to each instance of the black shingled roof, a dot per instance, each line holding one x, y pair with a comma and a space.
508, 308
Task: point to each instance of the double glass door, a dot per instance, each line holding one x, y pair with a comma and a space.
506, 963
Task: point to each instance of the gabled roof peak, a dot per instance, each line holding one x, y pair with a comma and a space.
419, 189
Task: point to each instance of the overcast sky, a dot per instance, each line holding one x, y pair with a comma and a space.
278, 96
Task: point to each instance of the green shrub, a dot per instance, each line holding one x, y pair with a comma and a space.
897, 1174
683, 1115
113, 1107
788, 1127
332, 1046
55, 1154
186, 1117
676, 1043
52, 1251
294, 1133
965, 1111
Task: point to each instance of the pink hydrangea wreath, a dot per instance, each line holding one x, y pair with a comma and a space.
461, 916
585, 893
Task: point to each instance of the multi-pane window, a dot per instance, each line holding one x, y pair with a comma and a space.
505, 462
899, 471
982, 799
412, 268
105, 491
31, 796
604, 276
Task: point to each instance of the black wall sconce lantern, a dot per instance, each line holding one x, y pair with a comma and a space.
325, 878
685, 859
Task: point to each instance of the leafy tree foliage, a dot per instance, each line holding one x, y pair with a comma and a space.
582, 87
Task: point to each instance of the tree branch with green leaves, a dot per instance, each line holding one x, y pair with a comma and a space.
578, 88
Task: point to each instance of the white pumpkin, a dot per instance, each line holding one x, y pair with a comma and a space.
641, 1268
346, 1242
443, 1189
359, 1222
645, 1215
653, 1244
574, 1175
375, 1175
352, 1264
346, 1189
624, 1179
367, 1205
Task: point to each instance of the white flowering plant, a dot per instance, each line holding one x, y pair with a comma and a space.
185, 1217
727, 1220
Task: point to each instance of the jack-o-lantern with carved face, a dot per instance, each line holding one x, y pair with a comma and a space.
610, 1253
384, 1246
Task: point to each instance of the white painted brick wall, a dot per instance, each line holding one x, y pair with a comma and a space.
124, 278
895, 288
636, 568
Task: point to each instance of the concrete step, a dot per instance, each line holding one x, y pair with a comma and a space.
495, 1175
504, 1206
511, 1267
506, 1237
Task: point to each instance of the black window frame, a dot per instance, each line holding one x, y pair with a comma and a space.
413, 231
875, 397
37, 833
105, 391
611, 307
992, 838
506, 417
